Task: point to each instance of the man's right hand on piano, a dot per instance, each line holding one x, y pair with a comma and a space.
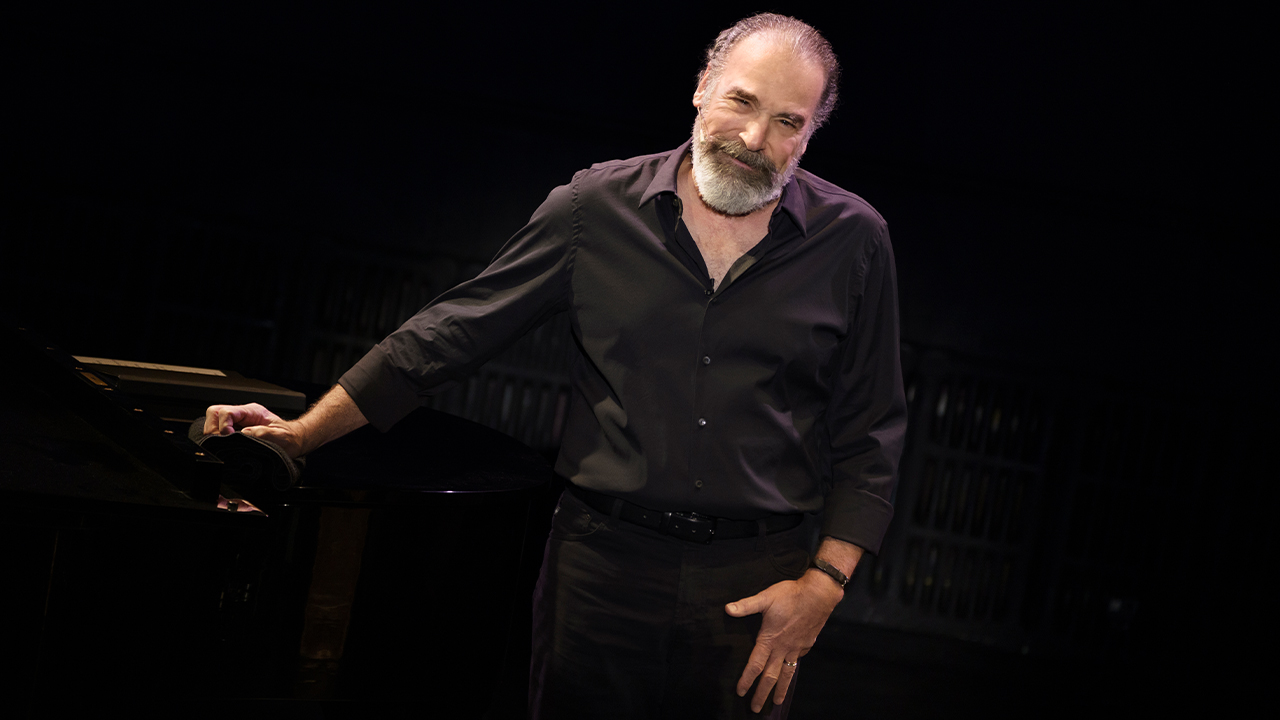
333, 416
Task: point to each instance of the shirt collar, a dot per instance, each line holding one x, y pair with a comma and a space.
664, 181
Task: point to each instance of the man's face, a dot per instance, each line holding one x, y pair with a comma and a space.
751, 127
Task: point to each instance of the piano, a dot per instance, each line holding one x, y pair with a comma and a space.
398, 571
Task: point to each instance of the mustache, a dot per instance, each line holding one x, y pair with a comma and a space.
737, 150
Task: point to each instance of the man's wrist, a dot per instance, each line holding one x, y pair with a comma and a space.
831, 571
300, 434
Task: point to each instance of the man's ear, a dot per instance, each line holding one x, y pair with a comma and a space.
701, 92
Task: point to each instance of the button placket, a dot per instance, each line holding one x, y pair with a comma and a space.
701, 418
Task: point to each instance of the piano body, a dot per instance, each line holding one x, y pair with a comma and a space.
399, 570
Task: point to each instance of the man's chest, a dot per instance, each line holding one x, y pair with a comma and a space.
721, 250
636, 301
722, 240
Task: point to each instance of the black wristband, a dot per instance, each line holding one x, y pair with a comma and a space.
831, 570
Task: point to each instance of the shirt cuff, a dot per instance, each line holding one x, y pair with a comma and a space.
380, 390
857, 517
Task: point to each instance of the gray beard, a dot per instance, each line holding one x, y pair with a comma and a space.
729, 189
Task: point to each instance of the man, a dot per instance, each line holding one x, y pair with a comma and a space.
737, 378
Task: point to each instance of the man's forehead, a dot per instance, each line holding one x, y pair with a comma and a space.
760, 62
765, 46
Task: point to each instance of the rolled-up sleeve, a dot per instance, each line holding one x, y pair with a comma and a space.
867, 414
527, 282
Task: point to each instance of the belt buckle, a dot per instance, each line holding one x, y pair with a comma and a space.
689, 526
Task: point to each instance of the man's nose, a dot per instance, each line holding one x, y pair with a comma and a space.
753, 135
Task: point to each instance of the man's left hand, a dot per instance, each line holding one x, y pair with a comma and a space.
794, 612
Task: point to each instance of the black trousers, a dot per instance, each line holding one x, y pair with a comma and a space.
630, 623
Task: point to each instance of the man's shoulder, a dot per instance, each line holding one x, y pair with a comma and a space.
825, 198
639, 164
841, 223
629, 176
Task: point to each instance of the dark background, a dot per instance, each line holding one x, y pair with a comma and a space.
1063, 185
1072, 192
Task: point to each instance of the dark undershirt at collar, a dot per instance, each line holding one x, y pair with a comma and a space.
680, 242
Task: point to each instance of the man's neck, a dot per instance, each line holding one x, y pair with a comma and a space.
721, 239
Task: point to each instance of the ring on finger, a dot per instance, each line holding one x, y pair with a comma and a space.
788, 663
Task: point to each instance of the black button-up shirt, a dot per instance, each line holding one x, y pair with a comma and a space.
778, 392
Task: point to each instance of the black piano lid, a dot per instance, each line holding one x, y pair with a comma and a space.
65, 433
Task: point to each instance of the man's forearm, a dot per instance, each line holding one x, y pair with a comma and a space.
334, 415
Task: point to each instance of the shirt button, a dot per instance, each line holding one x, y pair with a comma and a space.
702, 422
706, 360
697, 483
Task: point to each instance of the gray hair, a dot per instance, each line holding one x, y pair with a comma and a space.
802, 39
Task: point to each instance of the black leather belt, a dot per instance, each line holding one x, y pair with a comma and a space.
690, 526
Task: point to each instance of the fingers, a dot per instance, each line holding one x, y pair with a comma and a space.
747, 606
225, 419
788, 672
222, 419
239, 505
756, 665
775, 679
767, 681
774, 671
211, 419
